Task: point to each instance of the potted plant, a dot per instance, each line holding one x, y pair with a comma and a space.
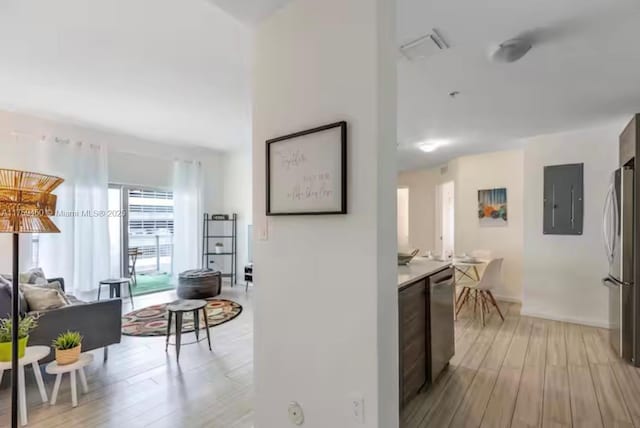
219, 248
25, 326
68, 346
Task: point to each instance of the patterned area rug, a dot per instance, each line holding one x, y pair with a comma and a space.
152, 321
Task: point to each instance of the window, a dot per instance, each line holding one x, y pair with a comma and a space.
35, 250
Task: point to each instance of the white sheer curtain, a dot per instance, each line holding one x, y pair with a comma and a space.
187, 215
80, 253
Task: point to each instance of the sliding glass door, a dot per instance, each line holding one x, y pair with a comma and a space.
143, 237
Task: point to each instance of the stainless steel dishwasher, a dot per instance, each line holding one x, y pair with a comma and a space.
441, 320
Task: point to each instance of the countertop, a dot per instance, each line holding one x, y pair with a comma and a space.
418, 268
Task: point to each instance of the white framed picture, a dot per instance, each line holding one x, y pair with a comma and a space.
307, 172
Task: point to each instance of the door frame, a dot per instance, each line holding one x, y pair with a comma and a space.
124, 221
439, 216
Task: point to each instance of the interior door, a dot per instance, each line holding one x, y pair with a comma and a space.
445, 219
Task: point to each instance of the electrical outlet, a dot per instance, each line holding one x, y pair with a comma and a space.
357, 408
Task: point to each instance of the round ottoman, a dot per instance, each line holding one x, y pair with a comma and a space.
199, 284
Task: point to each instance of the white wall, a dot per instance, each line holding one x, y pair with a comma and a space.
237, 170
422, 202
490, 171
326, 294
470, 174
403, 219
125, 168
562, 273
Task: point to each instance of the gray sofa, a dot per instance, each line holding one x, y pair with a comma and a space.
99, 323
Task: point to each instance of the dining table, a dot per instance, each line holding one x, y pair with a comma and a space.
467, 267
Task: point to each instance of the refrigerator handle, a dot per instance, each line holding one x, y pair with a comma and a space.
616, 220
606, 224
607, 282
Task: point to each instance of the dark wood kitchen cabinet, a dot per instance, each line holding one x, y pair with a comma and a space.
426, 330
413, 320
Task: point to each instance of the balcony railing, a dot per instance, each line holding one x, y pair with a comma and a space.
155, 252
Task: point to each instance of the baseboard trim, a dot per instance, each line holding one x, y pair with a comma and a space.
507, 299
572, 320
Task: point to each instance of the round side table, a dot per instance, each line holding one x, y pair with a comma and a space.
78, 366
115, 285
31, 356
178, 308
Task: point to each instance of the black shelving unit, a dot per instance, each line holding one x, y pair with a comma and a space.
209, 232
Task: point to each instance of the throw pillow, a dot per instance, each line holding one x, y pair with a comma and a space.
42, 298
33, 276
55, 285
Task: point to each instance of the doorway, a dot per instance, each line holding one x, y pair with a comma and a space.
142, 237
403, 219
445, 219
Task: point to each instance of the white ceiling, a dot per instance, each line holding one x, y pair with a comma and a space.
584, 70
169, 70
179, 70
250, 11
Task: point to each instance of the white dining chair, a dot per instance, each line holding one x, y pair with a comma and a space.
491, 279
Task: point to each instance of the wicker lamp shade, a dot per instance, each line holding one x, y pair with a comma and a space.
26, 202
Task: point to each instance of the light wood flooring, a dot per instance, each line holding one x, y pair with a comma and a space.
524, 372
529, 372
141, 385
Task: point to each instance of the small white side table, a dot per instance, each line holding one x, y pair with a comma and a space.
31, 356
78, 366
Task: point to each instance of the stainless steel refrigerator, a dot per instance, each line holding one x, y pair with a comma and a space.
619, 229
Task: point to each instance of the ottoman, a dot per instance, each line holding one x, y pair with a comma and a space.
199, 284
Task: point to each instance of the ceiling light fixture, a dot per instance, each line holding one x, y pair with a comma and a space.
432, 145
512, 50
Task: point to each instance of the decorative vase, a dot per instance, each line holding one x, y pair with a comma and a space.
5, 349
68, 356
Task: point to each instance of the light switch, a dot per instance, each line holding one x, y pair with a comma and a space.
263, 230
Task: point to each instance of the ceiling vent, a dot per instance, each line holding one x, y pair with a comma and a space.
424, 47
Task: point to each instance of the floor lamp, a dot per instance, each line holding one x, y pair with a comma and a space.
26, 202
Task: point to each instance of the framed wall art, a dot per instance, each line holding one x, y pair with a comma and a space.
307, 172
492, 207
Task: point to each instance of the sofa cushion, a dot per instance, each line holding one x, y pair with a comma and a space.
5, 299
43, 298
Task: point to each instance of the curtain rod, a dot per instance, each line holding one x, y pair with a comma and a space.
168, 157
45, 138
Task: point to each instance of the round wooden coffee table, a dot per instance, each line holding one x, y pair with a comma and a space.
178, 308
